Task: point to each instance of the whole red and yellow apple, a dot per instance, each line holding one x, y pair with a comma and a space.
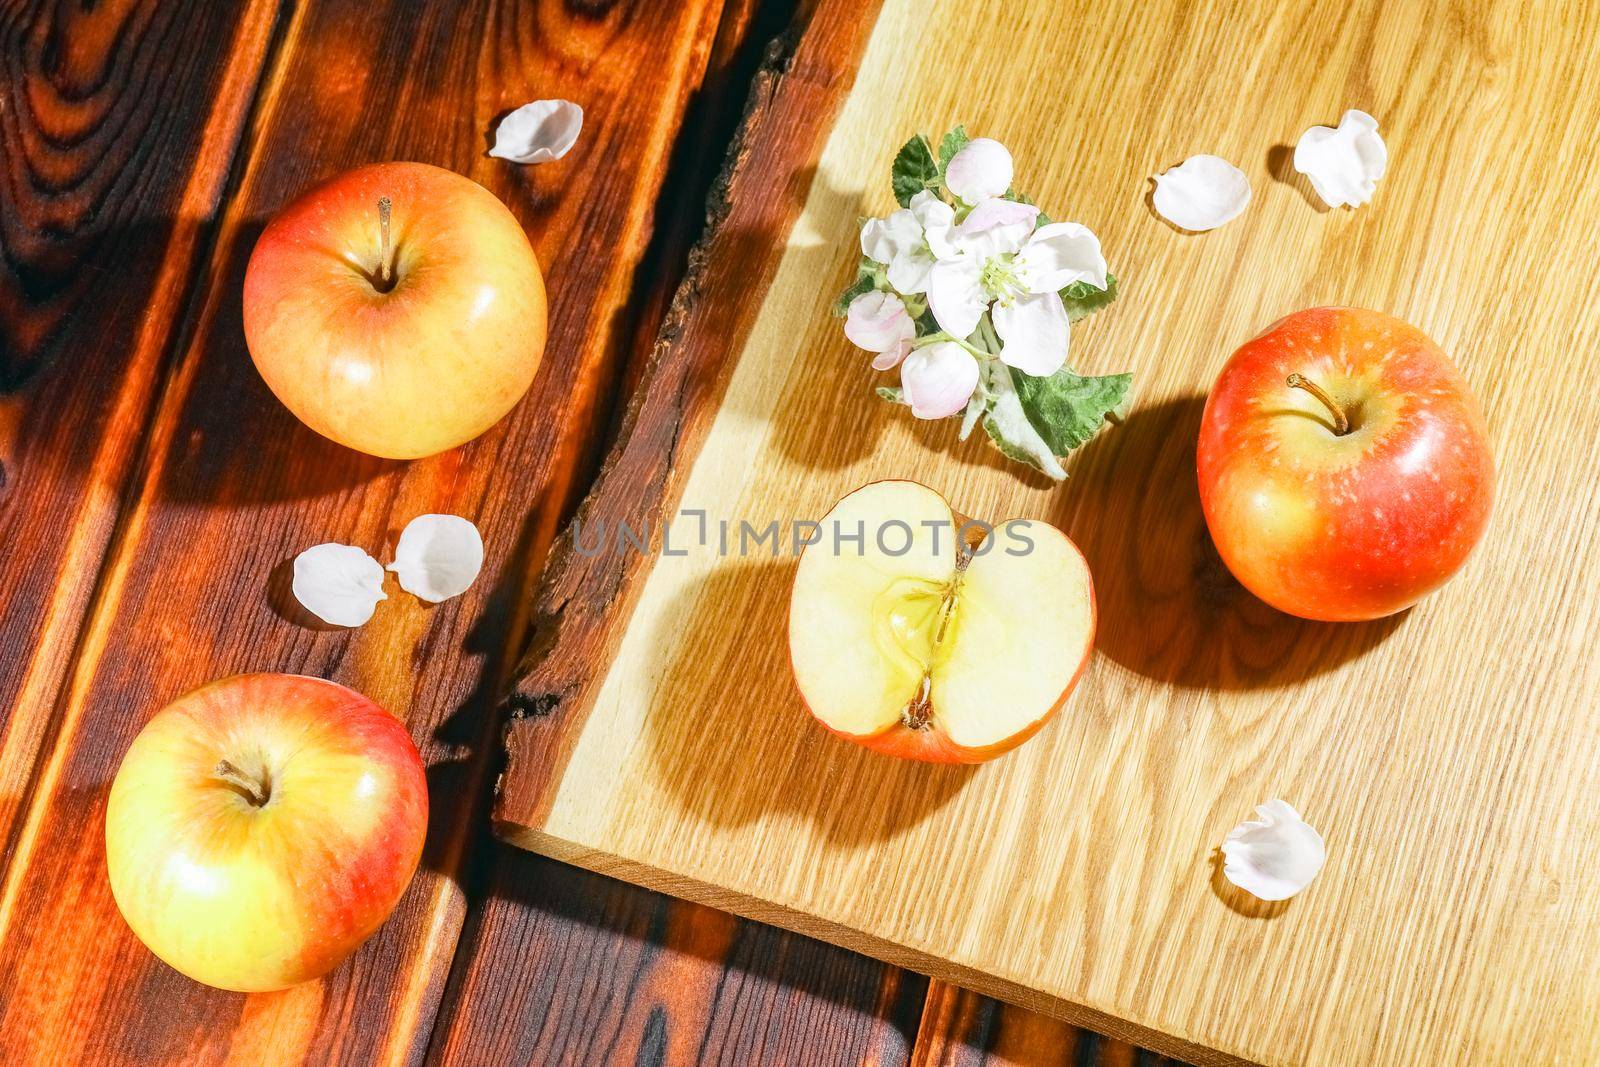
919, 633
397, 309
1344, 465
262, 827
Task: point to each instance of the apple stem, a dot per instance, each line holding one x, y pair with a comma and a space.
1341, 421
256, 792
385, 264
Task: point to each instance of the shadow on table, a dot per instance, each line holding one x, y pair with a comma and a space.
1169, 609
733, 741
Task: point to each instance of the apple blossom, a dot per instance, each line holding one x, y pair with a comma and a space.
996, 258
938, 379
979, 171
904, 241
877, 321
970, 290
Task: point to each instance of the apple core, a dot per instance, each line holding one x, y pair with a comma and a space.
954, 650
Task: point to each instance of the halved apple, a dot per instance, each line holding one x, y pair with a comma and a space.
922, 634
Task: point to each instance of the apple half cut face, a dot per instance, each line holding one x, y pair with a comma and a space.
922, 634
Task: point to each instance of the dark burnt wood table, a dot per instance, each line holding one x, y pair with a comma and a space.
152, 492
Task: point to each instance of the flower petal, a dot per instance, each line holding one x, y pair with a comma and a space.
1035, 330
1344, 165
1201, 193
955, 295
1058, 255
1275, 856
338, 583
885, 238
438, 556
982, 169
908, 271
878, 322
539, 132
995, 227
937, 219
891, 356
938, 379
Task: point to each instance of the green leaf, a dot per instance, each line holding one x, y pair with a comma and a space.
914, 170
864, 283
949, 145
1009, 427
892, 393
1083, 299
1068, 409
869, 276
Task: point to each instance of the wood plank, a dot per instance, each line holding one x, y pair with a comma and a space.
232, 487
961, 1028
661, 740
684, 993
568, 967
116, 144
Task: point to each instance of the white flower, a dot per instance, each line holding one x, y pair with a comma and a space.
1344, 165
338, 583
539, 132
438, 556
938, 379
980, 170
877, 321
1275, 856
1201, 193
906, 241
996, 257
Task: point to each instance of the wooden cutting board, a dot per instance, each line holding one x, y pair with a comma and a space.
1450, 756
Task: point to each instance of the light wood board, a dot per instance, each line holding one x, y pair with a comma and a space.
1450, 756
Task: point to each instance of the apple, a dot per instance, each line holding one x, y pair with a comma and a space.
397, 309
1344, 465
921, 634
262, 827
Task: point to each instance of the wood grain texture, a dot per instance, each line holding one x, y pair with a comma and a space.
231, 488
1450, 756
555, 967
960, 1028
584, 970
118, 126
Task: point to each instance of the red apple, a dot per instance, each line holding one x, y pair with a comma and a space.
1344, 465
921, 634
397, 309
262, 827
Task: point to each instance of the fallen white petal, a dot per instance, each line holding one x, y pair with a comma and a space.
1344, 164
938, 379
982, 169
1275, 856
1058, 255
1035, 330
877, 321
1201, 193
438, 556
338, 583
539, 132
